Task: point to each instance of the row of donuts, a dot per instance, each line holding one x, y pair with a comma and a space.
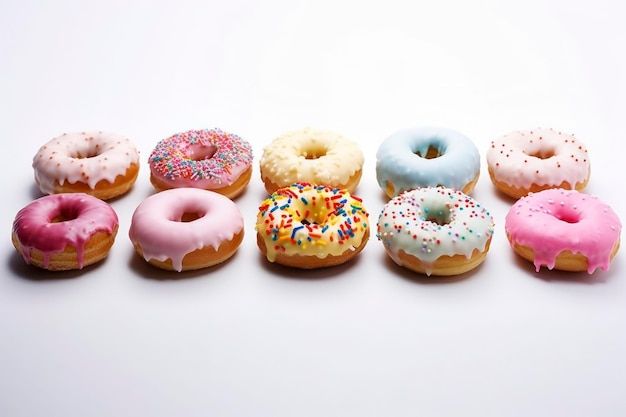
431, 224
106, 164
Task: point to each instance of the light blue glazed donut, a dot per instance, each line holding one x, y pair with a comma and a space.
427, 156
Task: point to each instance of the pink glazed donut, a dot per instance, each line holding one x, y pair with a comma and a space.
564, 229
65, 231
185, 229
209, 159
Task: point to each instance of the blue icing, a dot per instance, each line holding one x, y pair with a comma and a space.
401, 159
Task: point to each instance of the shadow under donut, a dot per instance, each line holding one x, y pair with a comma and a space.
148, 271
16, 264
418, 278
317, 274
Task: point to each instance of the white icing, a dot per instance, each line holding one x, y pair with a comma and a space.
544, 157
311, 155
431, 222
86, 157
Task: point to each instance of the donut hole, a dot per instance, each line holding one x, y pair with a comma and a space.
190, 216
542, 153
313, 152
201, 152
431, 153
567, 216
91, 152
315, 217
64, 214
438, 215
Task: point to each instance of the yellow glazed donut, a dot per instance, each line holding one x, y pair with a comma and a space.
102, 164
311, 226
534, 160
314, 156
435, 231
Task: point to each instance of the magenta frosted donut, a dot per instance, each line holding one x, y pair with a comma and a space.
186, 228
210, 159
65, 231
564, 229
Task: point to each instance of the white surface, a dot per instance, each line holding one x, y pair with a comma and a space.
367, 339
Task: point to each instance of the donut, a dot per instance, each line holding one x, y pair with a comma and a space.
210, 159
435, 231
563, 229
102, 164
533, 160
311, 226
184, 229
65, 231
314, 156
427, 157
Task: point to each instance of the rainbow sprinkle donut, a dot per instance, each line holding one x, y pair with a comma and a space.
209, 159
435, 231
310, 226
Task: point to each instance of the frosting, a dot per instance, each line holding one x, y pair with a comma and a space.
311, 155
544, 157
52, 222
311, 220
426, 156
208, 159
86, 157
159, 228
431, 222
555, 220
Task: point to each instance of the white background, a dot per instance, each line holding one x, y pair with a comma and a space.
368, 338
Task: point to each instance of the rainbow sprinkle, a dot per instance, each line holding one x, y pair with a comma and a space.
430, 222
311, 218
200, 154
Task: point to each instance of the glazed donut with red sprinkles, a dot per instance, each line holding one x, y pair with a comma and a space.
102, 164
210, 159
534, 160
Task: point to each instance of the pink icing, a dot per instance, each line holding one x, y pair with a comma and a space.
208, 159
157, 224
555, 220
84, 215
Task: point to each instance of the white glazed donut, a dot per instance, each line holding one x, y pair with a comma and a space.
427, 157
435, 231
534, 160
314, 156
101, 164
186, 228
